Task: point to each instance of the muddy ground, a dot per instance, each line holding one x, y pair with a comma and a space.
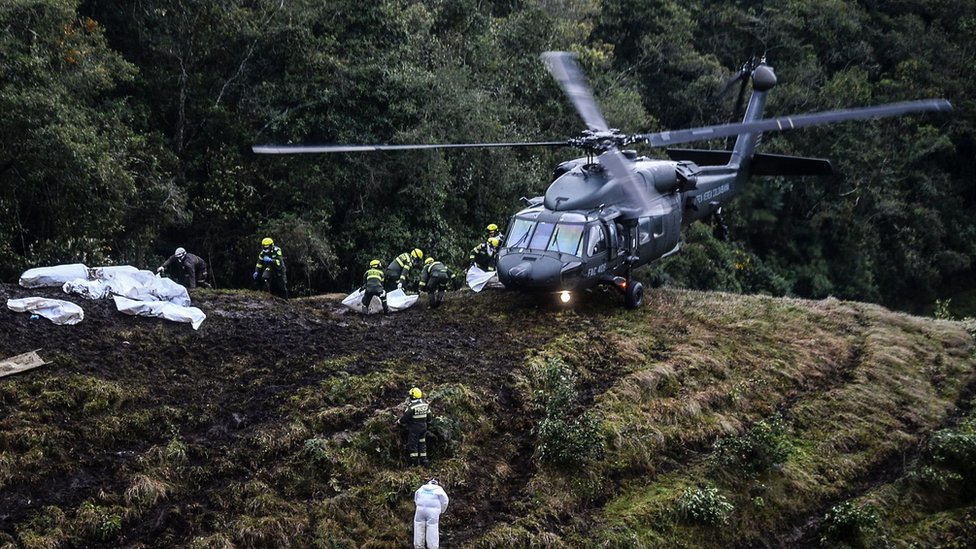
199, 373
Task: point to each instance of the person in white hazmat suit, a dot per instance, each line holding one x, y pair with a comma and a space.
431, 501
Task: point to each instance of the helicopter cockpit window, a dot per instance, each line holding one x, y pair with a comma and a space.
540, 239
518, 236
566, 238
596, 242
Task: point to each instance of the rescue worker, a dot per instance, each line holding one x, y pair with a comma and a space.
398, 271
434, 277
188, 269
373, 286
416, 417
491, 231
431, 501
485, 255
270, 268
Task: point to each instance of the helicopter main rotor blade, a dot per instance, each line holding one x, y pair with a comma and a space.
619, 167
562, 66
661, 139
312, 149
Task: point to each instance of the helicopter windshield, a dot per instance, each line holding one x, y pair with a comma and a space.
554, 237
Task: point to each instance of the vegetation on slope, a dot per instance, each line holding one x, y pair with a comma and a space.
700, 419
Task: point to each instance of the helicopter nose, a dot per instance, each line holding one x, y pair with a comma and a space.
528, 271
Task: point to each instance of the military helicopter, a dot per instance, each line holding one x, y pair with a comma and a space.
613, 210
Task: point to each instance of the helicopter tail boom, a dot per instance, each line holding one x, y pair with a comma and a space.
762, 163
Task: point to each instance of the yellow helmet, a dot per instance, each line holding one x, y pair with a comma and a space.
494, 242
267, 242
428, 261
492, 227
417, 254
374, 263
415, 393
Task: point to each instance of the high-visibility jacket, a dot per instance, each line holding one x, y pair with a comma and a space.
484, 256
400, 267
373, 278
271, 258
418, 411
435, 269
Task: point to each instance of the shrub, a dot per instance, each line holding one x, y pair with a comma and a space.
568, 436
848, 523
704, 506
949, 461
761, 447
100, 522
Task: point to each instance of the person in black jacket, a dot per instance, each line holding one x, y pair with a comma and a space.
188, 269
416, 418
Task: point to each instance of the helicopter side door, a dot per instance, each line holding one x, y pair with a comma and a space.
595, 250
657, 235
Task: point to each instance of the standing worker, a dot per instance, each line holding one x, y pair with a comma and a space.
188, 269
416, 417
434, 277
398, 271
485, 255
270, 269
431, 501
373, 286
491, 231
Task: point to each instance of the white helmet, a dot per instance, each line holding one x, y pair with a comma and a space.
180, 252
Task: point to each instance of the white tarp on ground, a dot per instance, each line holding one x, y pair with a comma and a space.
56, 310
479, 280
162, 309
129, 282
41, 277
120, 280
396, 300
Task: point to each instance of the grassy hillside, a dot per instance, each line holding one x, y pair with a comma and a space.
702, 419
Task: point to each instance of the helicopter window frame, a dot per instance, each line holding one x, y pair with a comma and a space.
596, 240
645, 231
572, 245
540, 238
517, 238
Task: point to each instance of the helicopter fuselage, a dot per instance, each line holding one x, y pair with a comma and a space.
590, 230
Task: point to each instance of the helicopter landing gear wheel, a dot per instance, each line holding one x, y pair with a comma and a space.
634, 297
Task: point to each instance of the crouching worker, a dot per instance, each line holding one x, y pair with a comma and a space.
188, 269
434, 278
431, 501
416, 418
373, 286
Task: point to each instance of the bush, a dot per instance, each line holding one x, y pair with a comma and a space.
949, 461
763, 446
568, 436
704, 506
848, 523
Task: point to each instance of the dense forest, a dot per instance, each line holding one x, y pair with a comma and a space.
127, 131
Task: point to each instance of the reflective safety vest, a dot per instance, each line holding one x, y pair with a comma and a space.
373, 274
417, 410
270, 259
401, 265
434, 270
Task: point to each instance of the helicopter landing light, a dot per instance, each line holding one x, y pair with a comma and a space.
564, 296
620, 282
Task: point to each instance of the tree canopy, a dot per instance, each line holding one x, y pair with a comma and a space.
128, 125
